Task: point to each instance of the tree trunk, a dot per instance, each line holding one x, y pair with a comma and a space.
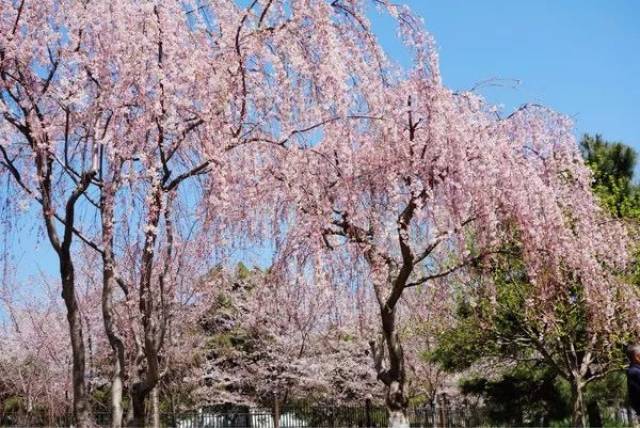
144, 385
117, 412
393, 376
149, 377
579, 410
398, 419
138, 398
396, 404
155, 407
81, 412
29, 410
115, 341
173, 410
118, 354
129, 415
275, 414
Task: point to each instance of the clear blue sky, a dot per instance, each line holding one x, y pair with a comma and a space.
580, 57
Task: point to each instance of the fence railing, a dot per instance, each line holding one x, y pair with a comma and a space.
324, 417
290, 417
429, 416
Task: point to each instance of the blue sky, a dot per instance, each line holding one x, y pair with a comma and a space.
580, 57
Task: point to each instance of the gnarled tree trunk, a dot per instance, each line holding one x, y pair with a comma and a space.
153, 334
138, 398
81, 411
108, 281
155, 407
578, 406
392, 376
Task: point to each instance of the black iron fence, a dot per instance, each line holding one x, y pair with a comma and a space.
437, 415
330, 417
290, 417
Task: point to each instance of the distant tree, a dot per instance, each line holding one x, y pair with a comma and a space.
570, 329
528, 393
613, 165
275, 344
424, 314
35, 358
